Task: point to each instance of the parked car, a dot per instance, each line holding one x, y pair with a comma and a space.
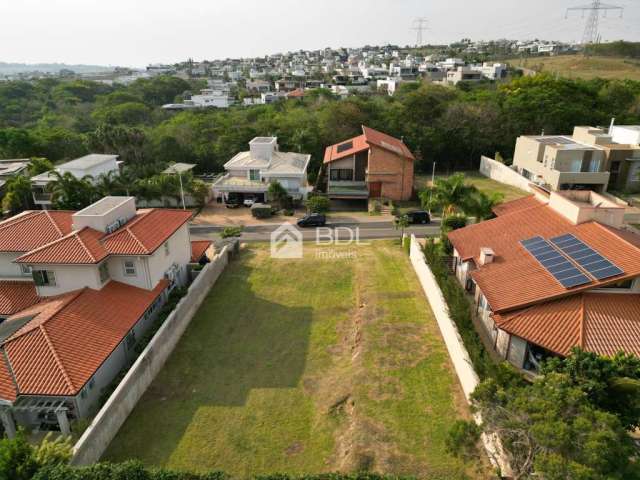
418, 216
232, 204
313, 220
248, 202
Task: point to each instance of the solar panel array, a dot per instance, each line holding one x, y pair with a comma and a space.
344, 146
565, 272
595, 264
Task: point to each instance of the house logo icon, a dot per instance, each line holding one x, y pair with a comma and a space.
286, 242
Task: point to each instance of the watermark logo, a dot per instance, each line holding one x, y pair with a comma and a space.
286, 242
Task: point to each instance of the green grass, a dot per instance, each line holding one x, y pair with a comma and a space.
482, 183
579, 66
305, 366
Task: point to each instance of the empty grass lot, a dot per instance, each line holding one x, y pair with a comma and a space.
481, 182
580, 66
305, 366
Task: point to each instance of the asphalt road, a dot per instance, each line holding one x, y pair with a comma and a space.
337, 231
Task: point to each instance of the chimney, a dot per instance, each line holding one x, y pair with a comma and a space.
486, 255
613, 121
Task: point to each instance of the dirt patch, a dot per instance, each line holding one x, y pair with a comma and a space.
294, 449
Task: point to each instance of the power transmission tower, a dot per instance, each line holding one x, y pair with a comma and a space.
591, 34
419, 25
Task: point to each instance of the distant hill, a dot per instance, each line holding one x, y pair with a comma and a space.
581, 66
14, 68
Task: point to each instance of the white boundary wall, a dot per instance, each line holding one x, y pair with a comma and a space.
455, 346
104, 427
503, 174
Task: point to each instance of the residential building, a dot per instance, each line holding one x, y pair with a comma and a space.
11, 168
589, 159
463, 74
371, 165
78, 290
248, 174
551, 272
92, 165
208, 98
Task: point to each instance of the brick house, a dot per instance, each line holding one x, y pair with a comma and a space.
371, 165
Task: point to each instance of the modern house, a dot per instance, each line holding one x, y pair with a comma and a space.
590, 159
92, 165
371, 165
11, 168
551, 272
248, 174
78, 290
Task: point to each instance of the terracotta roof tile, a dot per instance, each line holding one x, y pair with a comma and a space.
32, 229
387, 142
515, 279
82, 246
198, 248
59, 350
517, 205
146, 232
359, 145
8, 389
15, 296
603, 323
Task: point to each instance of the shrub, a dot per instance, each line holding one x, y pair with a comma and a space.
317, 204
288, 212
228, 232
260, 210
375, 208
454, 222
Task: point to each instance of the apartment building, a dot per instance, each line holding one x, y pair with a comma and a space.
248, 174
592, 158
551, 272
371, 165
78, 290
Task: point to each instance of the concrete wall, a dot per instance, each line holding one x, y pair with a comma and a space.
455, 346
115, 411
503, 174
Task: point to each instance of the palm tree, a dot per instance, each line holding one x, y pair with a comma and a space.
480, 205
71, 193
277, 193
18, 195
107, 183
451, 194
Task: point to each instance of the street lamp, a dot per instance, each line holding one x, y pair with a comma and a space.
179, 169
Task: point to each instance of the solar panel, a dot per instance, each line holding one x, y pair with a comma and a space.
565, 272
344, 146
598, 266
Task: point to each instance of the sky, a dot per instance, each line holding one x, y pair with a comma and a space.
138, 32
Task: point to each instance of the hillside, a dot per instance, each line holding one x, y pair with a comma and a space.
579, 66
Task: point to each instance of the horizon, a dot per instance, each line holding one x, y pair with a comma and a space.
204, 31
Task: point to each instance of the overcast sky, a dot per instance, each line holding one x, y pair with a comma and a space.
138, 32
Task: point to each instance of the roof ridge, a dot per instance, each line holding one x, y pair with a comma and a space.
607, 229
25, 216
55, 225
52, 242
10, 369
86, 249
56, 357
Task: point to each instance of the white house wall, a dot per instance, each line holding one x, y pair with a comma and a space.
9, 269
179, 252
70, 277
140, 279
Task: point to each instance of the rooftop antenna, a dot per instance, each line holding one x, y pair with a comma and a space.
420, 26
591, 34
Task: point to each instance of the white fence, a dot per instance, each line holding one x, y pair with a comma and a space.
455, 346
122, 401
503, 174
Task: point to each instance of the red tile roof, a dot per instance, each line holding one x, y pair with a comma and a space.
515, 279
79, 247
16, 296
69, 337
363, 142
146, 231
142, 235
198, 247
8, 389
297, 93
32, 229
518, 205
603, 323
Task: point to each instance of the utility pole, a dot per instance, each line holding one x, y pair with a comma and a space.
420, 26
591, 34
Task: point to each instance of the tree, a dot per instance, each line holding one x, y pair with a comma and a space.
71, 193
480, 205
277, 193
17, 195
38, 165
200, 191
317, 204
16, 458
401, 222
451, 194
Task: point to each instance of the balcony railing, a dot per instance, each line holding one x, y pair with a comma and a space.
42, 196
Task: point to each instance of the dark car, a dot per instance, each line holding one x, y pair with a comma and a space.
313, 220
418, 216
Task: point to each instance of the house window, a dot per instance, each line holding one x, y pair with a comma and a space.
129, 268
166, 248
44, 278
341, 174
254, 175
104, 272
26, 270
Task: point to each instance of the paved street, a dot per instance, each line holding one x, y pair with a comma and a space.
340, 231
